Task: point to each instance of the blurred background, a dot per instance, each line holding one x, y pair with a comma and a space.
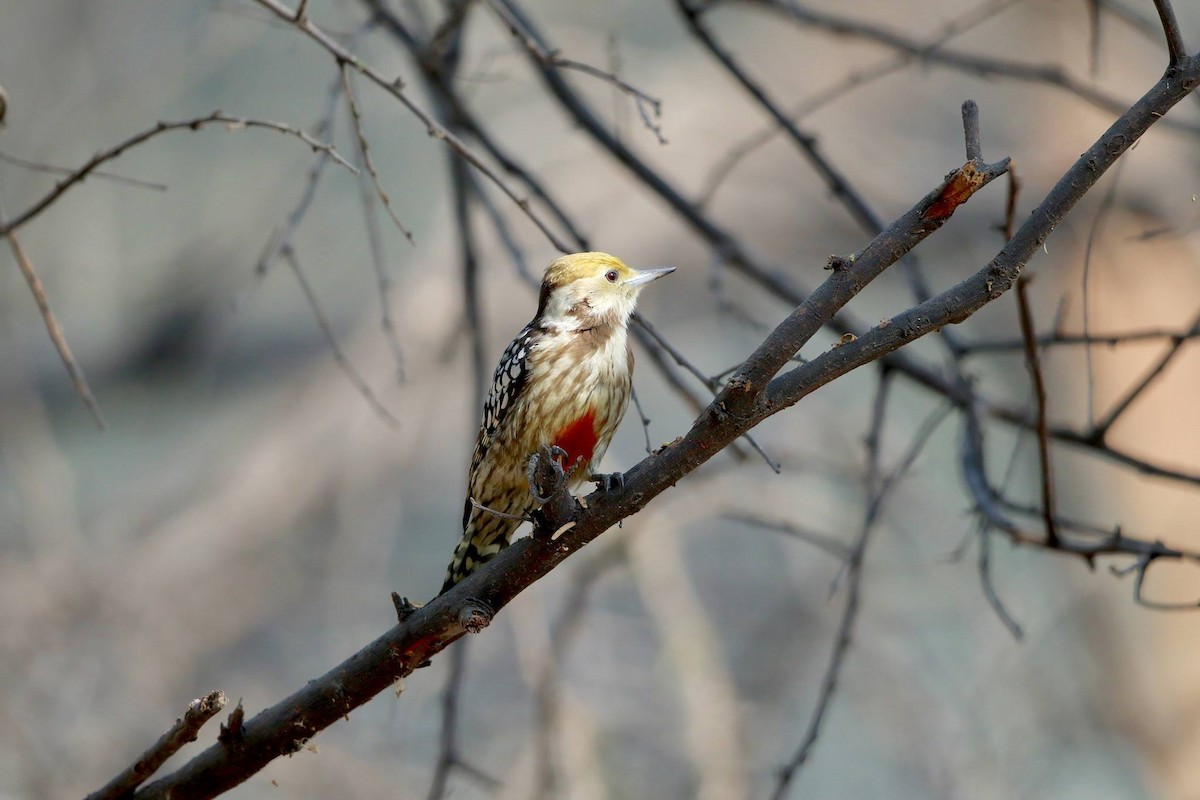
246, 513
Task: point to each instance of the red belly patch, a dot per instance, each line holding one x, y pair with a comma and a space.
578, 438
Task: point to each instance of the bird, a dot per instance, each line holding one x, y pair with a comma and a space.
564, 382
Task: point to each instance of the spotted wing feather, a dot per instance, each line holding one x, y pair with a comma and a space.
508, 381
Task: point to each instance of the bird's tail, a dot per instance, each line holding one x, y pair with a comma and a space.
485, 534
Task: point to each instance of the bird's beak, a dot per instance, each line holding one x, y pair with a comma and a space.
643, 276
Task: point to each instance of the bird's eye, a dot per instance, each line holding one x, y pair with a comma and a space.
611, 276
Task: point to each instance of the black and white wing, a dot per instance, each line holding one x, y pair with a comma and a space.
508, 382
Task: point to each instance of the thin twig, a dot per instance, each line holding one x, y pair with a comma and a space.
448, 740
677, 356
970, 63
827, 544
383, 281
325, 127
854, 80
456, 109
183, 731
395, 88
562, 635
1139, 568
1093, 12
970, 119
1106, 205
1074, 339
343, 362
1122, 405
502, 229
637, 404
472, 304
647, 335
35, 166
231, 124
1010, 204
879, 487
1175, 47
649, 108
1039, 393
364, 149
475, 504
646, 105
78, 379
989, 589
985, 548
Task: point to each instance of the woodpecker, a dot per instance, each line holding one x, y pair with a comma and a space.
563, 382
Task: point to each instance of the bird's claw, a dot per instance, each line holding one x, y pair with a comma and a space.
608, 482
555, 464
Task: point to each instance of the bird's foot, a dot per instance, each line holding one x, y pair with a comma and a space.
547, 468
608, 482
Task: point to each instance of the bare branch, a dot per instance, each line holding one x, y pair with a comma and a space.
339, 355
1122, 405
970, 116
833, 177
1039, 394
1106, 205
396, 89
184, 730
1010, 206
989, 589
78, 380
878, 489
646, 105
1070, 339
1139, 569
35, 166
1175, 46
325, 127
448, 741
983, 66
232, 124
713, 386
849, 276
637, 405
562, 635
383, 281
552, 60
828, 544
364, 149
1098, 543
854, 80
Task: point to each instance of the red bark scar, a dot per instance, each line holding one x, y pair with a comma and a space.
578, 438
956, 191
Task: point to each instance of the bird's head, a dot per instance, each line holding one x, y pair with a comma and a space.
586, 290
